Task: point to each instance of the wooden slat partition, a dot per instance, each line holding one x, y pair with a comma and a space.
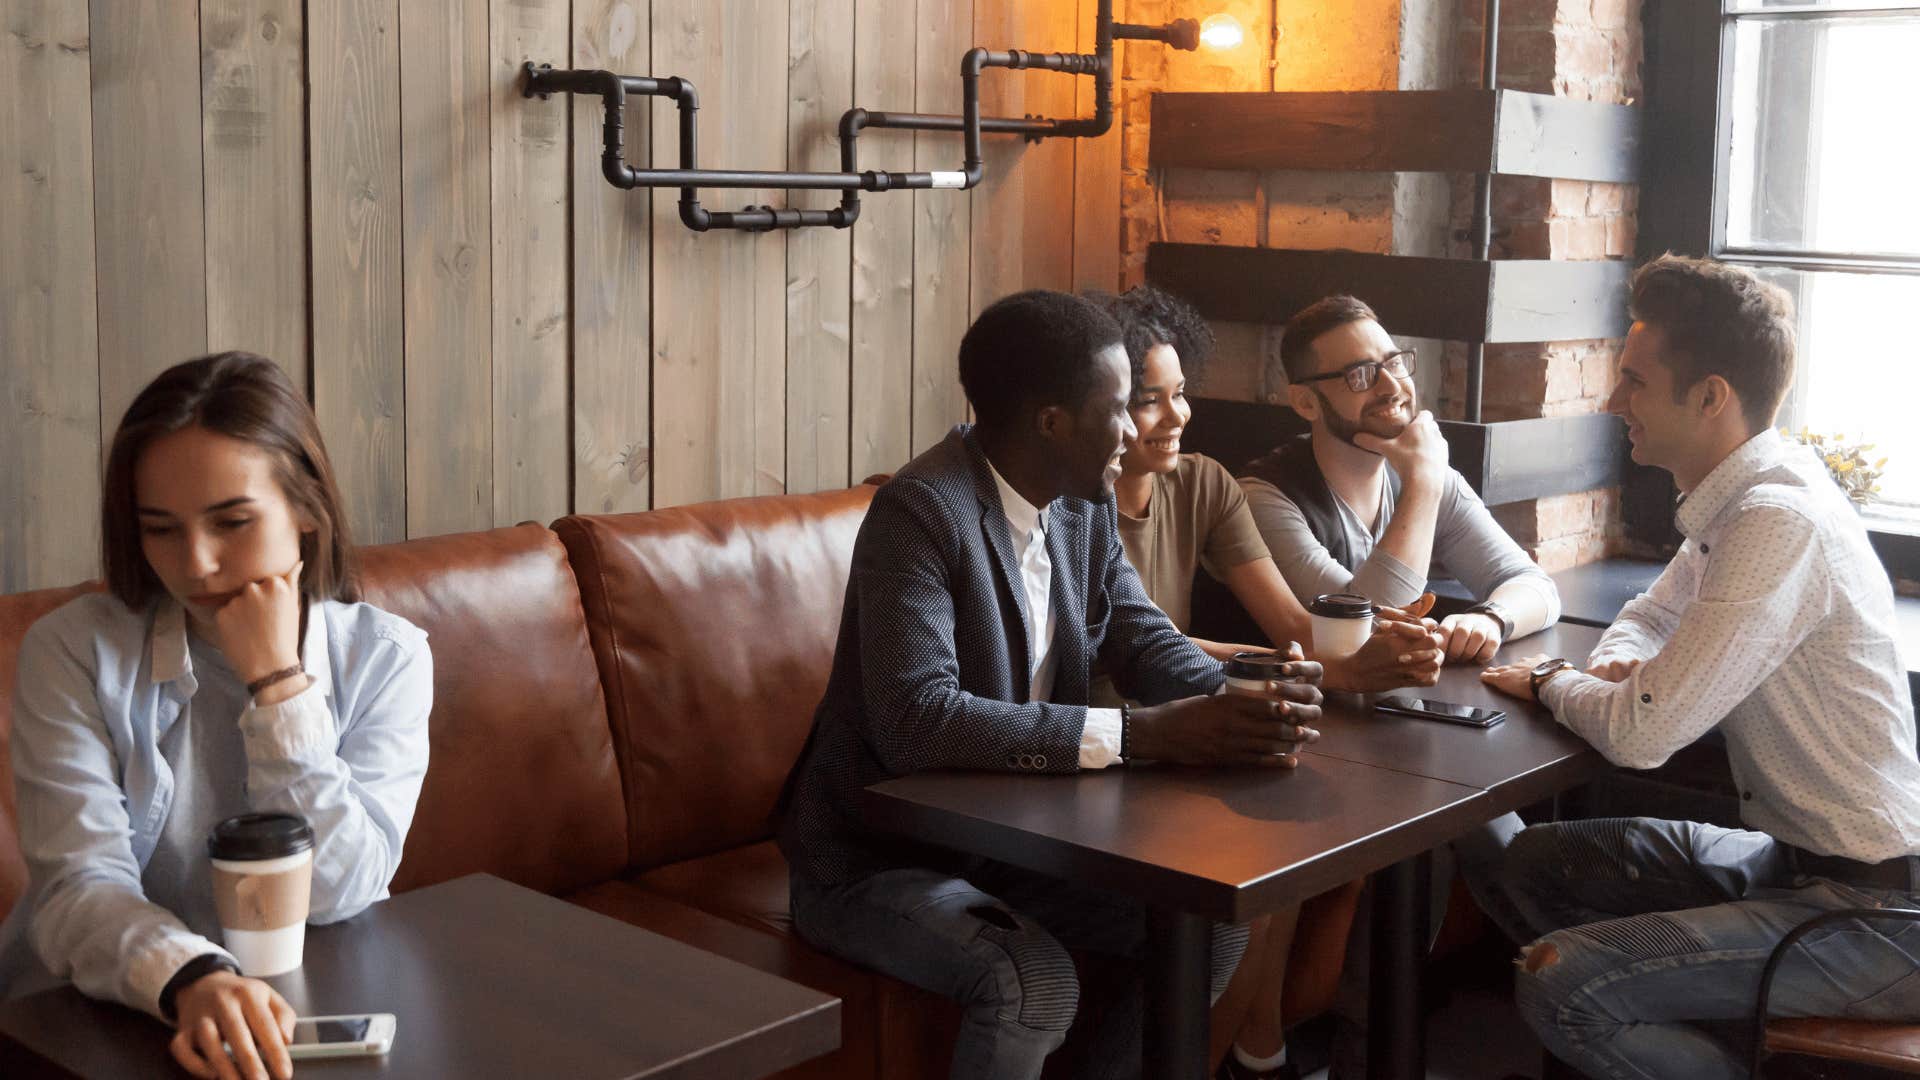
1096, 182
612, 277
1466, 130
490, 332
529, 231
883, 286
819, 261
941, 253
50, 378
448, 280
719, 375
254, 141
149, 209
1455, 299
354, 177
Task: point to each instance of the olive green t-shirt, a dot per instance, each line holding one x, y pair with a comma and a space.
1196, 517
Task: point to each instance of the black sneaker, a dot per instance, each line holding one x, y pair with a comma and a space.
1231, 1069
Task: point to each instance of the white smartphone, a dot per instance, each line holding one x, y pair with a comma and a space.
341, 1036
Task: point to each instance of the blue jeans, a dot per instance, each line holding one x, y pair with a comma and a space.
1652, 935
996, 942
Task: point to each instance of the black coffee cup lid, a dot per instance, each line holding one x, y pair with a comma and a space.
1342, 606
259, 836
1259, 666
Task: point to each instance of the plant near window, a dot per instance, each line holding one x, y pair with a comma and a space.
1846, 462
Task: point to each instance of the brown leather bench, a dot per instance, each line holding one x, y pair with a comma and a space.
617, 701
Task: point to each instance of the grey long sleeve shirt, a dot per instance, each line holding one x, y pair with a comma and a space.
1467, 543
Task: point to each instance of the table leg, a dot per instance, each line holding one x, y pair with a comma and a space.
1174, 1036
1396, 1020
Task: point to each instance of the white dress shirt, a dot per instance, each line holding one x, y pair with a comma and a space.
1775, 621
1027, 525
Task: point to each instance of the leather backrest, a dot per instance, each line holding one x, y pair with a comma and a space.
714, 627
17, 612
523, 782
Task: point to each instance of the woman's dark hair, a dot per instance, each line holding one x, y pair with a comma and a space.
245, 397
1030, 350
1149, 317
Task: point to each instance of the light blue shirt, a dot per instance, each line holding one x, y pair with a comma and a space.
99, 689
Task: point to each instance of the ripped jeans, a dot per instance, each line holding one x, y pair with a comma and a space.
1652, 936
996, 942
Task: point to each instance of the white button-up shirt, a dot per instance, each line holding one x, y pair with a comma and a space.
1027, 525
1774, 620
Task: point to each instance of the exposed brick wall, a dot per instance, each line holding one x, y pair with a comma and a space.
1587, 49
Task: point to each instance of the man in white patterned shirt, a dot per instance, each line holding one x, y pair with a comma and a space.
1774, 621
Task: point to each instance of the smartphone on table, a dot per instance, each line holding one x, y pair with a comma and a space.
1445, 711
341, 1036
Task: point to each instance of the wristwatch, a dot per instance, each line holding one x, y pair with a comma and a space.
1544, 670
1498, 614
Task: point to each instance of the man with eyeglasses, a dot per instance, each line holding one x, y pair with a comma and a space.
1366, 502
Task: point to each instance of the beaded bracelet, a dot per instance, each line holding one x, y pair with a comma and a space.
1126, 732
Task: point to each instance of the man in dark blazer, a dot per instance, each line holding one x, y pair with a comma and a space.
987, 580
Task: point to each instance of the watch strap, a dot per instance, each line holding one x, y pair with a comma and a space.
1544, 671
1498, 614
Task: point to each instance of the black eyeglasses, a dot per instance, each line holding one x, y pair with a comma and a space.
1360, 377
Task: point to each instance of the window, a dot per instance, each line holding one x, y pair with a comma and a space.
1817, 147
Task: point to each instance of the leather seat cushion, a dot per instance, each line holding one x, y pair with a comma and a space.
522, 781
1886, 1046
745, 884
714, 628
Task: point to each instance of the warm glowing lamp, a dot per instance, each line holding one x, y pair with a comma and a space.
1221, 31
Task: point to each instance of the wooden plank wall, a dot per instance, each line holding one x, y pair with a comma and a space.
489, 332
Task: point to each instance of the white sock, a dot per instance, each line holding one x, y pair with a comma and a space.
1266, 1064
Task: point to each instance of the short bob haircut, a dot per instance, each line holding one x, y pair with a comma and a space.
1031, 350
1150, 317
1720, 320
245, 397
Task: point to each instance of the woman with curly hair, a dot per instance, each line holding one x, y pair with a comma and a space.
1180, 512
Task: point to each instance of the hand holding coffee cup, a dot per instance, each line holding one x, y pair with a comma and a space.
1235, 727
262, 884
1342, 622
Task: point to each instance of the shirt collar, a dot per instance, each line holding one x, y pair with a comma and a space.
1022, 515
167, 644
1735, 474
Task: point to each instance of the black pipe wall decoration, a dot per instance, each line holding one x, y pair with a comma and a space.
615, 90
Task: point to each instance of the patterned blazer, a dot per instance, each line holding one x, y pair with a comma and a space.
930, 669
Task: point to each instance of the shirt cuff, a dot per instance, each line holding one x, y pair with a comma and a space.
297, 727
1100, 739
155, 967
1553, 692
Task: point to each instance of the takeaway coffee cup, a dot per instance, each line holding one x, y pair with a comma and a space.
262, 875
1250, 672
1342, 622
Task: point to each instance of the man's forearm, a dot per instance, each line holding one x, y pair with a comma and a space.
1409, 536
1530, 601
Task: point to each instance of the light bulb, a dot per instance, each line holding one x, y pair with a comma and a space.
1221, 31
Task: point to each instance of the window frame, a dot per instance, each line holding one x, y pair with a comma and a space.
1689, 94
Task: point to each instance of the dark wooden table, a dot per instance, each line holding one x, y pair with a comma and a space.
1231, 844
487, 979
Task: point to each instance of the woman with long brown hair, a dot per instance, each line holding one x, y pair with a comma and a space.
226, 670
